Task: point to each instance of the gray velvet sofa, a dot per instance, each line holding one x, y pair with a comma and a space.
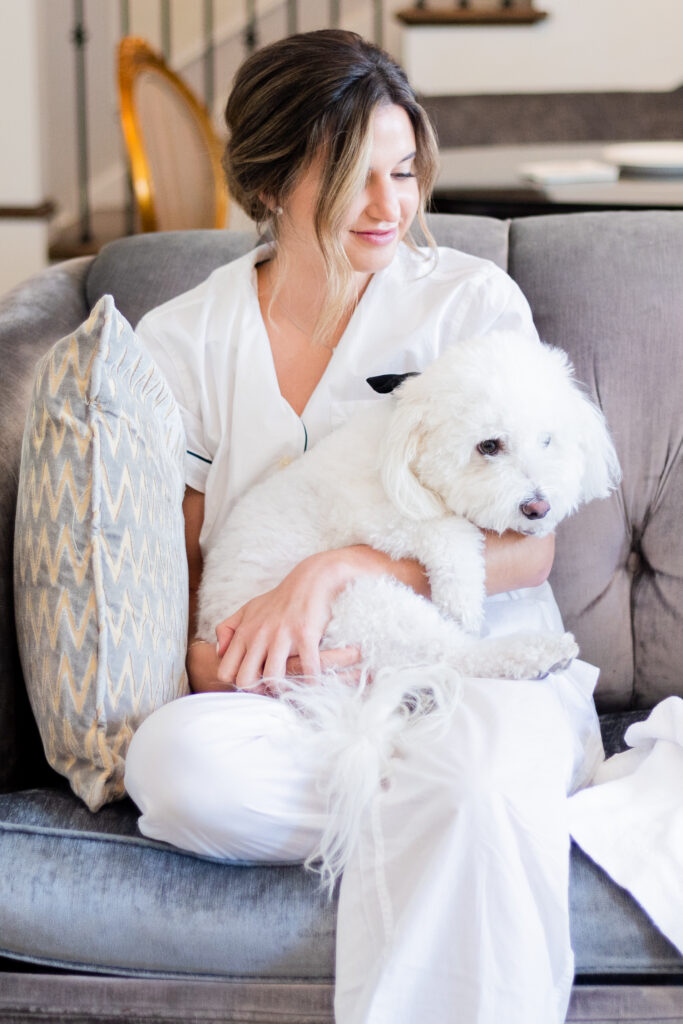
98, 923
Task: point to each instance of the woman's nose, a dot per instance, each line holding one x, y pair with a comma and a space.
384, 202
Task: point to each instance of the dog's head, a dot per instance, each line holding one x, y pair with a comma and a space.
497, 430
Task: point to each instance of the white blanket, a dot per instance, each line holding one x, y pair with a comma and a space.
630, 820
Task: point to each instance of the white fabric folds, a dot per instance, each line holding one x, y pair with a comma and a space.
630, 821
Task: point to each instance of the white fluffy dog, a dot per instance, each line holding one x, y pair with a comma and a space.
494, 435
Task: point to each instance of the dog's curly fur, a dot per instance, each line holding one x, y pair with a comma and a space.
496, 434
496, 424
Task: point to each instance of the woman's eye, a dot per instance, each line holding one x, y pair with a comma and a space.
403, 174
490, 447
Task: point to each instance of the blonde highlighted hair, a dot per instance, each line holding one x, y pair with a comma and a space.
313, 95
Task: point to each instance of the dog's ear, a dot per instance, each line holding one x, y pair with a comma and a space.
601, 469
398, 452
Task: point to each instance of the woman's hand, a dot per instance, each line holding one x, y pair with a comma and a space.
203, 663
279, 632
284, 622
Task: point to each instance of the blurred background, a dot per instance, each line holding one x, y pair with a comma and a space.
536, 104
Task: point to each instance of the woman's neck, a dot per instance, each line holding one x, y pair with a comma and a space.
293, 292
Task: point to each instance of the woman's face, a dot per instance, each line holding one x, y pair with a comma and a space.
382, 212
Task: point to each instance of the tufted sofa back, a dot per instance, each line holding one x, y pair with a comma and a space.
606, 287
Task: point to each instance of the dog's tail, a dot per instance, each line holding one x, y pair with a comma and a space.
355, 731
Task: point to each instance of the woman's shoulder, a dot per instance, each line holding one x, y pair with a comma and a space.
444, 264
446, 274
193, 308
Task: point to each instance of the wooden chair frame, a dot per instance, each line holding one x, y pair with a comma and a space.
134, 57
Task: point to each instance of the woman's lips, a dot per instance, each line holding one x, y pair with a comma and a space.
375, 237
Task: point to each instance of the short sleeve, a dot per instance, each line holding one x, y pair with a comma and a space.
169, 352
499, 305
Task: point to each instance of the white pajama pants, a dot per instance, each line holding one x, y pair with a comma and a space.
454, 906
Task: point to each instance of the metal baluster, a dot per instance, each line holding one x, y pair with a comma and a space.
335, 13
79, 38
292, 17
124, 17
166, 29
209, 56
250, 31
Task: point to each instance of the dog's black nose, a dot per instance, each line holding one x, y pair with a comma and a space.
536, 509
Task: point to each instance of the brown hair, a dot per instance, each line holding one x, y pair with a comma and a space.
308, 94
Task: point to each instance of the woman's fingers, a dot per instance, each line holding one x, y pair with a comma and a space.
225, 631
309, 655
231, 661
275, 667
341, 657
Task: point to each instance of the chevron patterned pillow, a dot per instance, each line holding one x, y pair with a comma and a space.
101, 587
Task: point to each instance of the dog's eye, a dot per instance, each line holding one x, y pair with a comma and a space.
490, 447
545, 441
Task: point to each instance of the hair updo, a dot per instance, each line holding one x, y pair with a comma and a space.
311, 95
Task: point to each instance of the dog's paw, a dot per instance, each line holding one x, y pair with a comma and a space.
546, 653
565, 650
519, 656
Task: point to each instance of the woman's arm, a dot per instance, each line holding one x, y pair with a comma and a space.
513, 560
203, 660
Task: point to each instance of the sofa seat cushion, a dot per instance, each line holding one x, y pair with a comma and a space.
86, 891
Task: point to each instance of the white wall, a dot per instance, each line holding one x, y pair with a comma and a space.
583, 45
23, 242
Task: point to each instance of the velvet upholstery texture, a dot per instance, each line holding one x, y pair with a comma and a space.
608, 290
171, 914
100, 568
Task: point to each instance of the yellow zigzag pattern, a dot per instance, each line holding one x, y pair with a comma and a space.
79, 694
35, 556
68, 426
145, 624
42, 492
145, 496
57, 369
41, 618
123, 557
115, 428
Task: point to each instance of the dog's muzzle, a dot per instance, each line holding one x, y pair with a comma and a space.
536, 509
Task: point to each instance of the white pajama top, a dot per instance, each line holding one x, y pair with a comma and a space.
211, 344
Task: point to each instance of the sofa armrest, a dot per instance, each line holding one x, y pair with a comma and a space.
32, 317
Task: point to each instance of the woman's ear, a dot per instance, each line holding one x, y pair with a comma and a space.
271, 204
398, 452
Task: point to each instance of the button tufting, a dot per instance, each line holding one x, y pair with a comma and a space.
634, 563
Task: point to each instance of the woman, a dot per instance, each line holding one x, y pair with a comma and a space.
466, 918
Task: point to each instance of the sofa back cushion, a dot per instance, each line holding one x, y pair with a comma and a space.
608, 288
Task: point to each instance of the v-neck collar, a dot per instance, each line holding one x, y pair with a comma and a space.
339, 352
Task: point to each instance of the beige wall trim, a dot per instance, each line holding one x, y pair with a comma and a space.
41, 211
